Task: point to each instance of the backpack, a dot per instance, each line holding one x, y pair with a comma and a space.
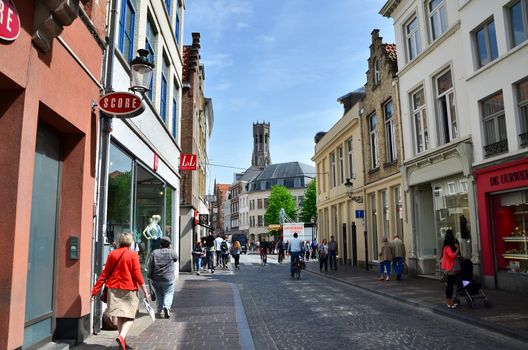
224, 247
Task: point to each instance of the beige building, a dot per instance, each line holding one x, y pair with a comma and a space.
382, 145
338, 157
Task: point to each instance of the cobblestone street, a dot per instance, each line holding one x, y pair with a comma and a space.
318, 313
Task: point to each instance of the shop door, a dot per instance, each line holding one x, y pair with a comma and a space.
39, 317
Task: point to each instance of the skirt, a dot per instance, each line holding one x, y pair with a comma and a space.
122, 303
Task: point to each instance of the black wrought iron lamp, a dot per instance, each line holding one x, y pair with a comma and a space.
141, 70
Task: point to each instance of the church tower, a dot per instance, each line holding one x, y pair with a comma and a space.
261, 154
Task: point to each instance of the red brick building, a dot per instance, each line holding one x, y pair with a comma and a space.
49, 80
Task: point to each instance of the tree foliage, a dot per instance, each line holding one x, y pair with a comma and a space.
309, 206
280, 197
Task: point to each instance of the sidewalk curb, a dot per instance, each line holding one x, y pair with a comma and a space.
245, 337
435, 309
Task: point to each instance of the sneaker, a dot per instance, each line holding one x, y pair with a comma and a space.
198, 273
166, 312
387, 279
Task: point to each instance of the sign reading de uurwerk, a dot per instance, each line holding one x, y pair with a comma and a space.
9, 20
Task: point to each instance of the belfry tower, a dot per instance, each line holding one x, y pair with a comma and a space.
261, 154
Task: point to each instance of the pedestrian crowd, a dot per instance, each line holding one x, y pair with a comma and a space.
391, 254
212, 253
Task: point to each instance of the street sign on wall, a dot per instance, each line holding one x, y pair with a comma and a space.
120, 104
9, 21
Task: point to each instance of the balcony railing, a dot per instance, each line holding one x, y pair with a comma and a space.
496, 148
524, 139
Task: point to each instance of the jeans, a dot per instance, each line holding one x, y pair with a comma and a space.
218, 258
237, 258
198, 263
451, 279
397, 264
293, 256
164, 294
210, 259
333, 260
323, 260
385, 265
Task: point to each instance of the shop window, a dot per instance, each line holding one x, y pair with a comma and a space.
510, 230
119, 195
150, 210
451, 209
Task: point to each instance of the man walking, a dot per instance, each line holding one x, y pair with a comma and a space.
332, 253
218, 248
209, 250
398, 254
161, 272
295, 250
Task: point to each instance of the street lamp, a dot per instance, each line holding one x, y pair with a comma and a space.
141, 72
348, 186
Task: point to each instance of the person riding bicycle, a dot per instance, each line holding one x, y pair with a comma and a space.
264, 246
295, 250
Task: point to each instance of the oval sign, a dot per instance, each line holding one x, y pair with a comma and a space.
9, 20
119, 103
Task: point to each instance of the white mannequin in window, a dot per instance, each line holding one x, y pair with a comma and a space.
153, 232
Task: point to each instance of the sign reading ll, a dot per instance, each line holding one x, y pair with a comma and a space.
9, 21
188, 162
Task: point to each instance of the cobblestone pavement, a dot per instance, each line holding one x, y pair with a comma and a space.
319, 313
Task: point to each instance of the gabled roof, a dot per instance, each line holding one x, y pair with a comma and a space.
250, 174
286, 170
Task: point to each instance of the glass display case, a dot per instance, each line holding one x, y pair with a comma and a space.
511, 231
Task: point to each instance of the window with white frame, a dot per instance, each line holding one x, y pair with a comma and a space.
486, 43
518, 16
126, 28
151, 39
494, 125
373, 136
341, 165
390, 137
437, 17
333, 170
412, 34
350, 159
522, 98
377, 73
445, 108
421, 133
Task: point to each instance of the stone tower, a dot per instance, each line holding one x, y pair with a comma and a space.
261, 154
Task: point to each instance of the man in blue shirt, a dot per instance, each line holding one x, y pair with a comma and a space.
295, 250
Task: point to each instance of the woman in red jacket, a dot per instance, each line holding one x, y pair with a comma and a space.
450, 253
123, 278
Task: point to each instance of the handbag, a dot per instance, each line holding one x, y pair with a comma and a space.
104, 294
152, 291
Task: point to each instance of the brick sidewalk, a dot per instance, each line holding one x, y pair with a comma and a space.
508, 314
206, 314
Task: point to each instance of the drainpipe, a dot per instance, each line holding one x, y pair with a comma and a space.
105, 122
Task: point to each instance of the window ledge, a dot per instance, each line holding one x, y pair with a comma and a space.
375, 170
390, 164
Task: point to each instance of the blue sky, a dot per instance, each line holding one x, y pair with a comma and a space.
281, 61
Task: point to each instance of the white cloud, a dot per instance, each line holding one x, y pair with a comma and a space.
241, 25
217, 60
267, 38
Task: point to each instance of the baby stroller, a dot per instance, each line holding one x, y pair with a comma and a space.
467, 286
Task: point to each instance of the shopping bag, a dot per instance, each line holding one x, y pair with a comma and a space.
149, 309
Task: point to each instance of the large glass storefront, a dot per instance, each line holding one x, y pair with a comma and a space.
139, 202
451, 208
509, 213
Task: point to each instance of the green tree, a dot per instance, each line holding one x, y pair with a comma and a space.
280, 197
309, 207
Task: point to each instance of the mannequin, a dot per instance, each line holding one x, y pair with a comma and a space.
153, 232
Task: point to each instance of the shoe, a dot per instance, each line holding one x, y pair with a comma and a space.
198, 273
166, 312
381, 278
121, 343
452, 306
387, 279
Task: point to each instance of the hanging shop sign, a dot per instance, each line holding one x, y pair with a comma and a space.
9, 21
188, 162
121, 104
155, 165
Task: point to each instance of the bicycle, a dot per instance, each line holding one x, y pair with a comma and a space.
298, 265
263, 257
